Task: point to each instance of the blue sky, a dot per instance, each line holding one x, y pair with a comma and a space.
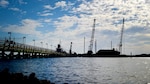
65, 21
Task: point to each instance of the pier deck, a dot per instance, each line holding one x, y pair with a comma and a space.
10, 49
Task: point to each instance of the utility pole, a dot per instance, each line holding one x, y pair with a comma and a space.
95, 46
51, 46
34, 42
60, 42
33, 47
47, 45
9, 36
111, 44
70, 48
92, 39
24, 40
84, 46
42, 44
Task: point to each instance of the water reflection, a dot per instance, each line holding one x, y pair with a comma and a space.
84, 70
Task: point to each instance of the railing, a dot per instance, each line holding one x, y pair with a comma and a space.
7, 45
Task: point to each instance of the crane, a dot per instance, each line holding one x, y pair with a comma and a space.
92, 39
120, 45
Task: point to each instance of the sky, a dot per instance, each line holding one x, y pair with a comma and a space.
54, 22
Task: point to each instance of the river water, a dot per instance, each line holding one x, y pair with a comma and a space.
84, 70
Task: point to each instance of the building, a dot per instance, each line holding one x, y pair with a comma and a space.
108, 52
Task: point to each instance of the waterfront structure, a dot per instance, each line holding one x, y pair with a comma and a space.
92, 39
10, 49
110, 52
121, 37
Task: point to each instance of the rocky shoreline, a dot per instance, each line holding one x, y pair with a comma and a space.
18, 78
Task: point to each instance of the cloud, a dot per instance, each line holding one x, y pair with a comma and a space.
4, 3
27, 26
22, 2
47, 11
65, 22
109, 15
137, 34
17, 10
79, 23
47, 20
136, 29
44, 14
60, 4
109, 33
48, 7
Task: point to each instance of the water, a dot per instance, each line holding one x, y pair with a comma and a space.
84, 70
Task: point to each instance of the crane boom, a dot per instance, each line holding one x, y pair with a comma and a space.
120, 45
92, 39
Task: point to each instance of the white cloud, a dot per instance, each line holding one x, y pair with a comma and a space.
27, 26
22, 2
45, 14
65, 22
60, 4
4, 3
47, 11
47, 20
109, 15
48, 7
79, 24
15, 9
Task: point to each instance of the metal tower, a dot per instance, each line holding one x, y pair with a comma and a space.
95, 46
120, 45
92, 39
70, 48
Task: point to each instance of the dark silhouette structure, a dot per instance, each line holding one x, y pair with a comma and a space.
59, 49
10, 49
121, 37
92, 39
108, 52
70, 51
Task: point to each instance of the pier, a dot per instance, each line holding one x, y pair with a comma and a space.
10, 49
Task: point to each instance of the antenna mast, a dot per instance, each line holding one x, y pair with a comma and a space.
120, 45
70, 48
92, 39
95, 46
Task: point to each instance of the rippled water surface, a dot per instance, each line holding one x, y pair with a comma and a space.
84, 70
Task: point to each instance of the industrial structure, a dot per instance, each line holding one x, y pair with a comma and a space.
23, 50
92, 39
10, 49
112, 51
121, 37
70, 51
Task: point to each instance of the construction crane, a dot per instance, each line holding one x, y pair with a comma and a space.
92, 39
120, 45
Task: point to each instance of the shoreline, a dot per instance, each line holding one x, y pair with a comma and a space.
74, 55
18, 78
